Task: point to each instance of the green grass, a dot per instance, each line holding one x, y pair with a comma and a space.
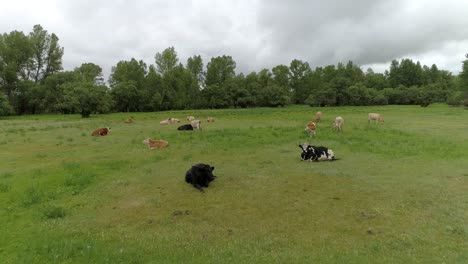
398, 194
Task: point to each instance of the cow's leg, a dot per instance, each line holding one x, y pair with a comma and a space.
199, 187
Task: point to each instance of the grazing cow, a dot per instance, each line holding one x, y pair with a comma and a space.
190, 118
376, 117
101, 131
313, 153
200, 175
338, 124
185, 127
196, 124
318, 116
310, 128
210, 119
152, 144
129, 121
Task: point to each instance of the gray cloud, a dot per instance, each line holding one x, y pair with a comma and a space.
367, 32
257, 34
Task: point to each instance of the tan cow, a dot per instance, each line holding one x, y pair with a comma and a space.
310, 128
210, 119
338, 124
318, 116
169, 121
152, 144
190, 118
376, 117
129, 121
173, 120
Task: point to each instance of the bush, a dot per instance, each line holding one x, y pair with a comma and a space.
5, 107
323, 97
455, 98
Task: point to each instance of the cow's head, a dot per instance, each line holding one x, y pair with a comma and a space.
307, 151
212, 176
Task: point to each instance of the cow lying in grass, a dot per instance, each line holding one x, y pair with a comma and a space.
200, 175
169, 121
185, 127
152, 144
313, 153
101, 131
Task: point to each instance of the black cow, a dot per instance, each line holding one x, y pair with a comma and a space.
200, 175
185, 127
313, 153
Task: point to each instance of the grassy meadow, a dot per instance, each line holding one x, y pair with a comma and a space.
397, 194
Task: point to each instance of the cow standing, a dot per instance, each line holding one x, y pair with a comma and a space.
318, 116
310, 128
338, 124
196, 124
375, 117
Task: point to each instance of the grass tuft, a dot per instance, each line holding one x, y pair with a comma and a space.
54, 212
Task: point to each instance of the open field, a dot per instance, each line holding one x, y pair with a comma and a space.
398, 194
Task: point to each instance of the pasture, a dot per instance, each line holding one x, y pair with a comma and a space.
397, 194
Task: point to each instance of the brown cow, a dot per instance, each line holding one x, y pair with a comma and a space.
318, 116
376, 117
101, 131
310, 128
129, 121
152, 144
210, 119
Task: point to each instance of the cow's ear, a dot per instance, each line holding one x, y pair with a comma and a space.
212, 168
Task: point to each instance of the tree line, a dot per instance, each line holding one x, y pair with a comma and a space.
32, 81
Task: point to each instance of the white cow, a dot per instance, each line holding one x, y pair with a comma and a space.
376, 117
338, 124
196, 124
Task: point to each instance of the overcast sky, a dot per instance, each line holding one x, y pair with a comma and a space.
256, 33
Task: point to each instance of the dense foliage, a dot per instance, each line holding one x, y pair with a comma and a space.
32, 81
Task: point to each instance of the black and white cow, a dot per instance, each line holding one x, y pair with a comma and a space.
313, 153
200, 175
185, 127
